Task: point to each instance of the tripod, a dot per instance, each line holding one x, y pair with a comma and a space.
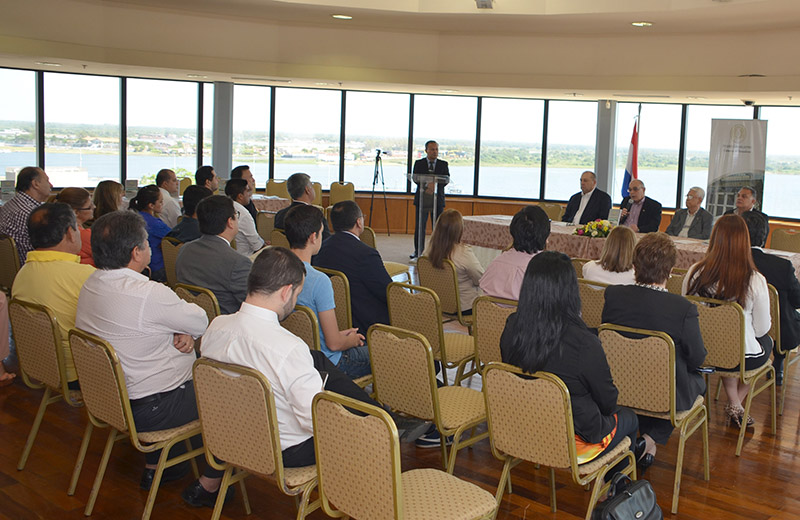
379, 173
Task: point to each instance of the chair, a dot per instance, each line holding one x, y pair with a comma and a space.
41, 358
277, 189
444, 282
675, 282
592, 301
679, 270
358, 467
303, 323
553, 210
169, 248
644, 373
265, 223
775, 334
107, 404
405, 380
539, 406
418, 309
200, 296
185, 182
240, 426
9, 263
785, 240
393, 268
341, 191
317, 195
722, 327
278, 239
578, 263
490, 315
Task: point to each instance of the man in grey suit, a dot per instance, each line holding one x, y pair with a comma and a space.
694, 221
210, 261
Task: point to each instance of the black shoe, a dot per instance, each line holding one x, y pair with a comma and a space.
196, 495
777, 364
638, 448
413, 255
176, 472
645, 462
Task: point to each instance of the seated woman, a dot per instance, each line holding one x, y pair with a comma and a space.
446, 243
547, 333
615, 266
529, 228
148, 202
648, 305
80, 201
728, 273
108, 196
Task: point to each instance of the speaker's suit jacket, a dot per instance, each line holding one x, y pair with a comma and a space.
597, 208
440, 168
649, 218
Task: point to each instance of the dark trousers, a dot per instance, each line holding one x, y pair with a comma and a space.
627, 426
169, 410
419, 227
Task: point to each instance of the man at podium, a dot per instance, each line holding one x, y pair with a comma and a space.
429, 165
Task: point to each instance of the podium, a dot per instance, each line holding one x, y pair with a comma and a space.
425, 179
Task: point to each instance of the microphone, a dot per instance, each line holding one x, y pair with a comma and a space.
629, 205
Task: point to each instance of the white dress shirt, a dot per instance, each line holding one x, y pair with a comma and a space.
171, 209
254, 338
248, 241
584, 201
594, 271
684, 232
139, 318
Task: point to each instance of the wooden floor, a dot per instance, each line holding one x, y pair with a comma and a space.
758, 485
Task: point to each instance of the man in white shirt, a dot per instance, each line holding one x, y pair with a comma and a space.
152, 332
243, 172
248, 241
589, 204
170, 188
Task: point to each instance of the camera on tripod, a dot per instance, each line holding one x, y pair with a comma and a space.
379, 152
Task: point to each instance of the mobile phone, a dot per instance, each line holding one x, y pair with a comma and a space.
705, 370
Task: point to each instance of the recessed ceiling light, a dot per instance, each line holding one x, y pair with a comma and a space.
449, 90
321, 84
196, 76
641, 24
573, 94
48, 63
695, 97
342, 16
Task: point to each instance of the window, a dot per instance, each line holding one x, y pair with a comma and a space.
251, 112
307, 128
451, 122
571, 140
162, 128
81, 129
783, 162
208, 123
511, 147
659, 144
17, 122
376, 121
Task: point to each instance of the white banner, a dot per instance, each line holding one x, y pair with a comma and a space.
737, 158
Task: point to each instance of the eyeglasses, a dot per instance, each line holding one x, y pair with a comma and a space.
635, 188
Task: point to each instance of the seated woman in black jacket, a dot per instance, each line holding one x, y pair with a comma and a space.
648, 305
547, 333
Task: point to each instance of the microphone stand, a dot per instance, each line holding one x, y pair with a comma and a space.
379, 172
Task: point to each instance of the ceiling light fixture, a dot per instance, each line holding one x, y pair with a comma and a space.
449, 90
484, 4
342, 16
321, 84
196, 76
642, 24
573, 94
47, 63
249, 79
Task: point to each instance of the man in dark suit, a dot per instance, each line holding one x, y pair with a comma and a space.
188, 228
243, 172
589, 204
361, 264
210, 261
424, 196
694, 221
302, 192
641, 214
780, 273
746, 200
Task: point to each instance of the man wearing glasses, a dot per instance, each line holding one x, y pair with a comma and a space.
641, 214
694, 221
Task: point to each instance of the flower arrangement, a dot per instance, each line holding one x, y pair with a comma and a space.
595, 229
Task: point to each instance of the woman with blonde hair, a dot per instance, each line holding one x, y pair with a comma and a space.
81, 203
615, 266
446, 244
108, 197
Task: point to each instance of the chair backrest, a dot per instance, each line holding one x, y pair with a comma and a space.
185, 182
578, 263
722, 328
785, 240
403, 372
368, 237
358, 459
443, 281
642, 365
341, 191
317, 194
593, 296
38, 341
169, 248
341, 297
278, 239
529, 417
489, 318
416, 309
265, 223
553, 210
237, 414
200, 296
303, 323
277, 189
675, 283
775, 316
9, 263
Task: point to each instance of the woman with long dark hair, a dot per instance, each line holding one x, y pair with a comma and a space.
80, 201
728, 273
148, 202
547, 333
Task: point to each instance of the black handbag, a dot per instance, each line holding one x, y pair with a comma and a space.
628, 500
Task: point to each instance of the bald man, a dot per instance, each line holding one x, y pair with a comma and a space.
640, 213
588, 204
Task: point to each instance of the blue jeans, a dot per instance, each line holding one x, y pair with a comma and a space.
355, 362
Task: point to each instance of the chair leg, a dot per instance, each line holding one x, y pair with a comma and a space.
719, 388
37, 421
552, 490
743, 427
193, 460
774, 408
245, 499
76, 473
443, 443
706, 468
303, 508
676, 488
505, 477
223, 489
101, 470
151, 496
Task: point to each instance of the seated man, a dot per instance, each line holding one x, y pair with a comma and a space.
362, 265
641, 214
243, 172
248, 241
170, 188
206, 177
344, 348
529, 228
589, 204
780, 273
302, 192
694, 221
53, 275
210, 261
188, 228
253, 337
33, 187
747, 200
152, 331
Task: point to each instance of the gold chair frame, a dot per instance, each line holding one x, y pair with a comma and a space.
553, 209
9, 263
775, 334
675, 282
341, 191
184, 183
277, 238
490, 315
303, 323
277, 189
265, 223
170, 247
393, 268
577, 264
200, 296
592, 301
444, 282
785, 240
